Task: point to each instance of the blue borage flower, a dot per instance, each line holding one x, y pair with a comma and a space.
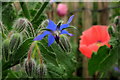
54, 31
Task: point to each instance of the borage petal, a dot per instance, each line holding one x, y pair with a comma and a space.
51, 25
51, 39
66, 32
39, 37
64, 26
70, 19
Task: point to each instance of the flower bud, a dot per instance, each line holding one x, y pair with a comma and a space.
117, 23
62, 9
21, 24
41, 70
5, 49
65, 43
29, 66
42, 26
3, 30
1, 27
111, 30
117, 20
15, 41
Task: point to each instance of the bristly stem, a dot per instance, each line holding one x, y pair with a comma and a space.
39, 53
39, 12
30, 51
25, 10
102, 75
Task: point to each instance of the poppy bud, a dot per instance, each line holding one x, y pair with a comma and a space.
41, 70
117, 20
29, 66
15, 41
5, 49
117, 23
62, 9
111, 30
65, 43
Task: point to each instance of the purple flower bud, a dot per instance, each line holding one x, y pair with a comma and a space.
64, 43
20, 24
30, 66
41, 70
15, 41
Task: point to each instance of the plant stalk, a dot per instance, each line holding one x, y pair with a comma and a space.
25, 10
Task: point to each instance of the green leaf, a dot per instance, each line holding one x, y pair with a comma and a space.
38, 14
23, 49
12, 74
8, 14
18, 55
110, 60
58, 58
47, 30
70, 27
25, 10
52, 69
46, 52
4, 74
64, 59
95, 61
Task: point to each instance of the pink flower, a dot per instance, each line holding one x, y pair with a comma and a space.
92, 39
62, 9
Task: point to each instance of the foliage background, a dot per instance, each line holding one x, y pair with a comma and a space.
59, 64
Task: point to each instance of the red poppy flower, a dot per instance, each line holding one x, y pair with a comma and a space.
92, 39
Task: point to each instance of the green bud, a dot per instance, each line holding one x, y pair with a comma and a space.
44, 23
42, 26
21, 24
5, 49
41, 70
111, 30
117, 20
65, 43
3, 29
15, 41
59, 23
30, 66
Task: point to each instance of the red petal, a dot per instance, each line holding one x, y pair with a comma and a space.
106, 43
94, 47
85, 51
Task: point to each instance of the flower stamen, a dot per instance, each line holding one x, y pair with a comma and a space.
99, 42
